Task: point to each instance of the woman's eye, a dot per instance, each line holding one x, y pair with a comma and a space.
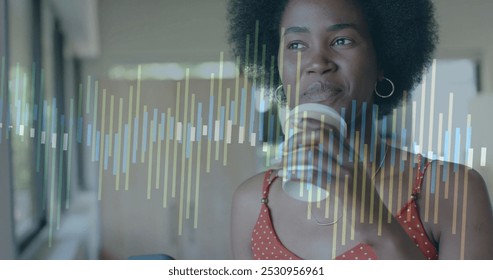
342, 42
296, 46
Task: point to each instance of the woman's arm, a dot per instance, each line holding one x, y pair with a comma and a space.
466, 217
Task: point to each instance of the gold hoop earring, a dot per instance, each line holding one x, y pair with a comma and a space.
280, 96
391, 92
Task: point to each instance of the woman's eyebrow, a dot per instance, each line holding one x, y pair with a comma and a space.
296, 29
331, 28
340, 26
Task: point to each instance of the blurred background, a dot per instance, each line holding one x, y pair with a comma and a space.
125, 126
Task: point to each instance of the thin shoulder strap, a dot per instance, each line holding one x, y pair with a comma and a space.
420, 177
266, 185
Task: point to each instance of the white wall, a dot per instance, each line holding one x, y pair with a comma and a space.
191, 32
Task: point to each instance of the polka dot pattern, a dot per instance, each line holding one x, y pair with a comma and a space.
266, 245
359, 252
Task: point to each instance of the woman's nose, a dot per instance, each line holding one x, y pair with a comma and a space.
319, 62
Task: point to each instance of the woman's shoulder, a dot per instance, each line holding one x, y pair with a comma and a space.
251, 187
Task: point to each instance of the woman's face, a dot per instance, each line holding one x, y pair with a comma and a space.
326, 54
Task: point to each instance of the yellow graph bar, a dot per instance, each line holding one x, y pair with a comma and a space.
137, 105
150, 161
225, 152
147, 133
167, 160
88, 94
336, 213
310, 193
438, 175
432, 107
94, 120
373, 171
449, 129
344, 210
175, 142
101, 145
303, 143
197, 185
319, 190
110, 132
456, 202
464, 213
183, 150
422, 115
380, 208
298, 75
219, 100
355, 183
120, 144
208, 167
403, 155
129, 120
392, 170
70, 151
190, 160
158, 163
363, 191
237, 90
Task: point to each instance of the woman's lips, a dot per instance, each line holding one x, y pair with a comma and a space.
320, 91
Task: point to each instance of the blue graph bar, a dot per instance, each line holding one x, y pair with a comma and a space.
211, 115
125, 143
134, 146
252, 111
468, 143
115, 152
79, 130
35, 112
373, 135
187, 150
271, 131
53, 116
144, 133
331, 154
403, 144
261, 120
232, 111
382, 146
341, 137
433, 176
457, 149
106, 147
363, 131
199, 122
18, 115
154, 127
394, 144
351, 138
89, 132
221, 124
172, 128
163, 126
320, 164
98, 140
242, 107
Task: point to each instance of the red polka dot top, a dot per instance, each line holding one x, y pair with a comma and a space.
266, 245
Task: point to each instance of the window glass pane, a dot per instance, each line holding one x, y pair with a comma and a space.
19, 122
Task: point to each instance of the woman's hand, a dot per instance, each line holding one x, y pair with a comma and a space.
320, 164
